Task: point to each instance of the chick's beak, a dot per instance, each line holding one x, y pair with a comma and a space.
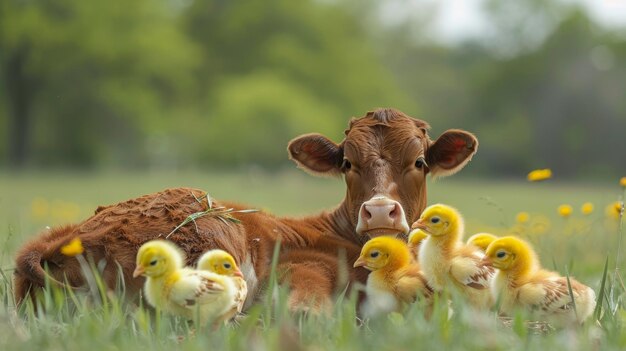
138, 271
419, 225
359, 263
238, 274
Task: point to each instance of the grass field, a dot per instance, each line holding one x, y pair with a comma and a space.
580, 243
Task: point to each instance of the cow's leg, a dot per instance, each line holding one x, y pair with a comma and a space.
313, 279
310, 290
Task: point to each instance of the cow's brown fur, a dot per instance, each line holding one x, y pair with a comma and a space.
381, 147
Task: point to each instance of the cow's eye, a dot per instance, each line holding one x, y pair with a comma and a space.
420, 163
501, 254
346, 165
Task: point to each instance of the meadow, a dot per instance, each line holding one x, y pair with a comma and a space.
579, 243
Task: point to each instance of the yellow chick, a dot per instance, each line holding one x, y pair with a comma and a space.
396, 279
447, 262
521, 283
416, 238
222, 263
481, 240
180, 290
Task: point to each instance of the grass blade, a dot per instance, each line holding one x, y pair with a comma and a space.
598, 309
272, 285
571, 293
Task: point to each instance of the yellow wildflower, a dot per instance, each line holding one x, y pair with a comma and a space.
622, 182
614, 209
539, 175
75, 247
522, 217
565, 210
586, 208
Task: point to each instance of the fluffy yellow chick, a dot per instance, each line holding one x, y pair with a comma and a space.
522, 283
447, 262
481, 240
396, 279
416, 238
222, 263
180, 290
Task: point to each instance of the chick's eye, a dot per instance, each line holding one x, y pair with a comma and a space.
374, 254
153, 262
227, 265
501, 254
346, 165
435, 220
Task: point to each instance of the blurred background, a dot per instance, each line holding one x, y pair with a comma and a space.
223, 84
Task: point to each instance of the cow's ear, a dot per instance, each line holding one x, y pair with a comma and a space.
316, 154
451, 152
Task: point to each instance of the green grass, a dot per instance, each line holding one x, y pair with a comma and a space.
579, 245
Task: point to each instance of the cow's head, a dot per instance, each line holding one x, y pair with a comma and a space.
384, 158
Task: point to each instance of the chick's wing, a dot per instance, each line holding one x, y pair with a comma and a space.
549, 295
196, 287
411, 284
470, 270
241, 294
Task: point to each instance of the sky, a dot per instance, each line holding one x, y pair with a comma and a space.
458, 19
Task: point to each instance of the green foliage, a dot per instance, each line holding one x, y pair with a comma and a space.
114, 83
4, 134
99, 76
319, 45
166, 84
562, 94
278, 69
540, 91
261, 113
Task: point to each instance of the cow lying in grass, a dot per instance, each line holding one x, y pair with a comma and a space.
384, 158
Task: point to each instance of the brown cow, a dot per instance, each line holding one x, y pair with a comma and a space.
384, 158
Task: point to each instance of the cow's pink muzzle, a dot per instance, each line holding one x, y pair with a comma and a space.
381, 215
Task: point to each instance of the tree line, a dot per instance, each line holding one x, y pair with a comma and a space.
219, 83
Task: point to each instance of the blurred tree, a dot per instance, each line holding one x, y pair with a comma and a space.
278, 68
431, 75
172, 83
255, 116
572, 108
86, 80
4, 132
314, 43
544, 89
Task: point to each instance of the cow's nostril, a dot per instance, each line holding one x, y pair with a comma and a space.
393, 213
366, 214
